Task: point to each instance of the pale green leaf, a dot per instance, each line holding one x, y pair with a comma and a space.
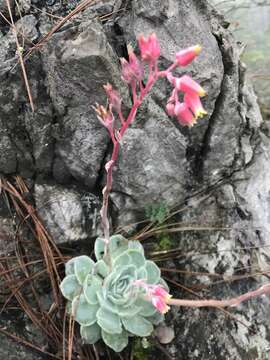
70, 287
138, 325
83, 265
116, 342
91, 285
153, 272
83, 312
109, 321
90, 334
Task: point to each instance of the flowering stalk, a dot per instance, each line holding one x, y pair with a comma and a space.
265, 289
133, 74
186, 112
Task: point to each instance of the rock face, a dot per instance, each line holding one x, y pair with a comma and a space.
218, 169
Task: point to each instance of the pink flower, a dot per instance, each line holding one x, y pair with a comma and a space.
170, 109
159, 298
160, 305
105, 116
184, 115
186, 56
135, 65
156, 294
149, 47
127, 73
113, 97
187, 85
194, 103
132, 69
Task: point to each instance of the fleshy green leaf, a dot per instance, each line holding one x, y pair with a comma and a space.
122, 260
83, 265
99, 248
108, 321
116, 342
153, 272
136, 245
69, 267
90, 334
83, 312
116, 242
163, 283
91, 285
70, 287
138, 325
129, 311
142, 273
137, 258
102, 268
147, 309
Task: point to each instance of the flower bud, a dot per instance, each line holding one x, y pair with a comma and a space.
186, 56
127, 74
135, 65
113, 97
170, 109
149, 47
184, 115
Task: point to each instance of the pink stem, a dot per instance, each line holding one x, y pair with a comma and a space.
137, 101
265, 289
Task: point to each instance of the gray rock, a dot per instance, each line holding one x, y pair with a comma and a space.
77, 66
68, 215
218, 169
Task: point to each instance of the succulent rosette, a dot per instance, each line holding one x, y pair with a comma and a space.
105, 297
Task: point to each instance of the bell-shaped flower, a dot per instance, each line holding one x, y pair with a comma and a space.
186, 56
188, 85
184, 114
149, 47
194, 103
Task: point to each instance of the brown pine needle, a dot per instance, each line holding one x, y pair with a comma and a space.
20, 57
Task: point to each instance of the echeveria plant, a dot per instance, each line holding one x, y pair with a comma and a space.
115, 297
122, 293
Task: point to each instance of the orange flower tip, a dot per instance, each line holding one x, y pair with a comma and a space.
197, 49
200, 113
202, 93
